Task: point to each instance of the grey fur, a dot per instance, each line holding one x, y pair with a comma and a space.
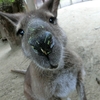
42, 82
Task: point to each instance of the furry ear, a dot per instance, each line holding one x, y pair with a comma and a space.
52, 6
12, 18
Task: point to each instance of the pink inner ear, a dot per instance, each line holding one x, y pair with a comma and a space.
12, 18
55, 7
52, 6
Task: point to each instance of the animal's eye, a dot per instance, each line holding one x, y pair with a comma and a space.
52, 20
20, 32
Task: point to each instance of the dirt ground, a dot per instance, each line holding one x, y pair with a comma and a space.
82, 25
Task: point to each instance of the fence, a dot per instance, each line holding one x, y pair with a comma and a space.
63, 3
70, 2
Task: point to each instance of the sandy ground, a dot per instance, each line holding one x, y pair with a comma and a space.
82, 25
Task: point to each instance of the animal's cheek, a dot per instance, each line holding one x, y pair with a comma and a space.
40, 61
26, 49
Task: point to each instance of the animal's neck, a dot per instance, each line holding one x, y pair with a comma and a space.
42, 72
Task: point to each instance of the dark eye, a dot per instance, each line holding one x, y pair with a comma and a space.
20, 32
52, 20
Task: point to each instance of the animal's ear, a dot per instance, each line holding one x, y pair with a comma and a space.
52, 6
12, 18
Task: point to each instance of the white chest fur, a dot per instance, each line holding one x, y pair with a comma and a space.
64, 85
58, 86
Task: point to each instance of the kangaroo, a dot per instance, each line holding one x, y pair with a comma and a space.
55, 70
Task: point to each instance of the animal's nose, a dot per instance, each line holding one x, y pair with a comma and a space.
43, 43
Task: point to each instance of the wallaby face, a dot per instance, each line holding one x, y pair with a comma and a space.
43, 39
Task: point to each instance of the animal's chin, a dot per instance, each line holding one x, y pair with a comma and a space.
49, 67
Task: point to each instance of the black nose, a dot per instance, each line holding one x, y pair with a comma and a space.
43, 43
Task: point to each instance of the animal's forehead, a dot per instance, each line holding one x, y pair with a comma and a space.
35, 22
39, 17
40, 14
38, 20
35, 16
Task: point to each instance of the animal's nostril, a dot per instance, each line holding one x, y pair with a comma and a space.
47, 38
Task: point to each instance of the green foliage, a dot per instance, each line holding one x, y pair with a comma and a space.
6, 1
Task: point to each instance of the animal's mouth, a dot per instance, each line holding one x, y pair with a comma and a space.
53, 67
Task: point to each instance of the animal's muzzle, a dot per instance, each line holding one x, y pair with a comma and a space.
42, 43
